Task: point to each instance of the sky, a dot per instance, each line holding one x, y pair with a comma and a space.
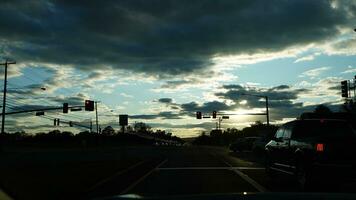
160, 61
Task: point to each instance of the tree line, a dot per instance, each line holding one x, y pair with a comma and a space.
140, 134
230, 135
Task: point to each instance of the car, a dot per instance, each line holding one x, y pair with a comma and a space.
311, 149
243, 144
259, 144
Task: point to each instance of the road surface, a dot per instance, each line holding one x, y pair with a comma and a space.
145, 171
199, 170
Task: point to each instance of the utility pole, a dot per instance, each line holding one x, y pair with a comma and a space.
266, 98
96, 116
4, 95
219, 124
91, 126
354, 88
267, 112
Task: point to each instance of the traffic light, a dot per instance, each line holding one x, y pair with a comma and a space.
198, 115
214, 114
56, 122
344, 89
65, 107
89, 105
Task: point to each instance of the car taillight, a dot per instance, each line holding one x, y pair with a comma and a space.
320, 147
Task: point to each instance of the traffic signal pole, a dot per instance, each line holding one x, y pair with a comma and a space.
4, 95
267, 112
96, 116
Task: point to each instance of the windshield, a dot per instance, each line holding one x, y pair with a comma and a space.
172, 98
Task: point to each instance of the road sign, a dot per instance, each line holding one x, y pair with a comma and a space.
75, 109
39, 113
123, 120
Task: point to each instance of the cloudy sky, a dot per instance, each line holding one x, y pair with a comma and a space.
160, 61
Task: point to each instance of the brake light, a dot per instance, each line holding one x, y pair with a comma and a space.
320, 147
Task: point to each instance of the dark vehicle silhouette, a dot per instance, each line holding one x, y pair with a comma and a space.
259, 144
243, 144
311, 150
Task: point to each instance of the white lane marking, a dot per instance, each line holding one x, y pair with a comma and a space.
143, 177
210, 168
115, 175
281, 170
259, 187
282, 165
4, 196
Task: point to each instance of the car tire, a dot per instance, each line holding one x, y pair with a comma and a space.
303, 177
268, 163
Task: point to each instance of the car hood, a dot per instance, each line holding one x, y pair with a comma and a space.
242, 196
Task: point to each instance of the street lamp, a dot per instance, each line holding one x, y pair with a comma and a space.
266, 99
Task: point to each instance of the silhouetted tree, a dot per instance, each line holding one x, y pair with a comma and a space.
108, 131
142, 127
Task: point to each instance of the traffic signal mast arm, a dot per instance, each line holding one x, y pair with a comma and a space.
70, 123
40, 109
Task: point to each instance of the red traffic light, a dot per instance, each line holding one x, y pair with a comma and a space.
198, 115
89, 105
214, 114
65, 107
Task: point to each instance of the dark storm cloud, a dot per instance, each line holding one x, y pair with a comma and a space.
165, 100
161, 36
72, 101
160, 115
15, 108
278, 93
189, 109
280, 87
281, 101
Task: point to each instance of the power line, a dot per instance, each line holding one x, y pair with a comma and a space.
40, 100
39, 75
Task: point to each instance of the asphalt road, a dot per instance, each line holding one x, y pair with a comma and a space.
202, 170
144, 171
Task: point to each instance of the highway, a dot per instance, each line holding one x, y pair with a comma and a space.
145, 171
196, 171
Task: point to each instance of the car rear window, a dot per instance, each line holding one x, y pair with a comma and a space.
322, 128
